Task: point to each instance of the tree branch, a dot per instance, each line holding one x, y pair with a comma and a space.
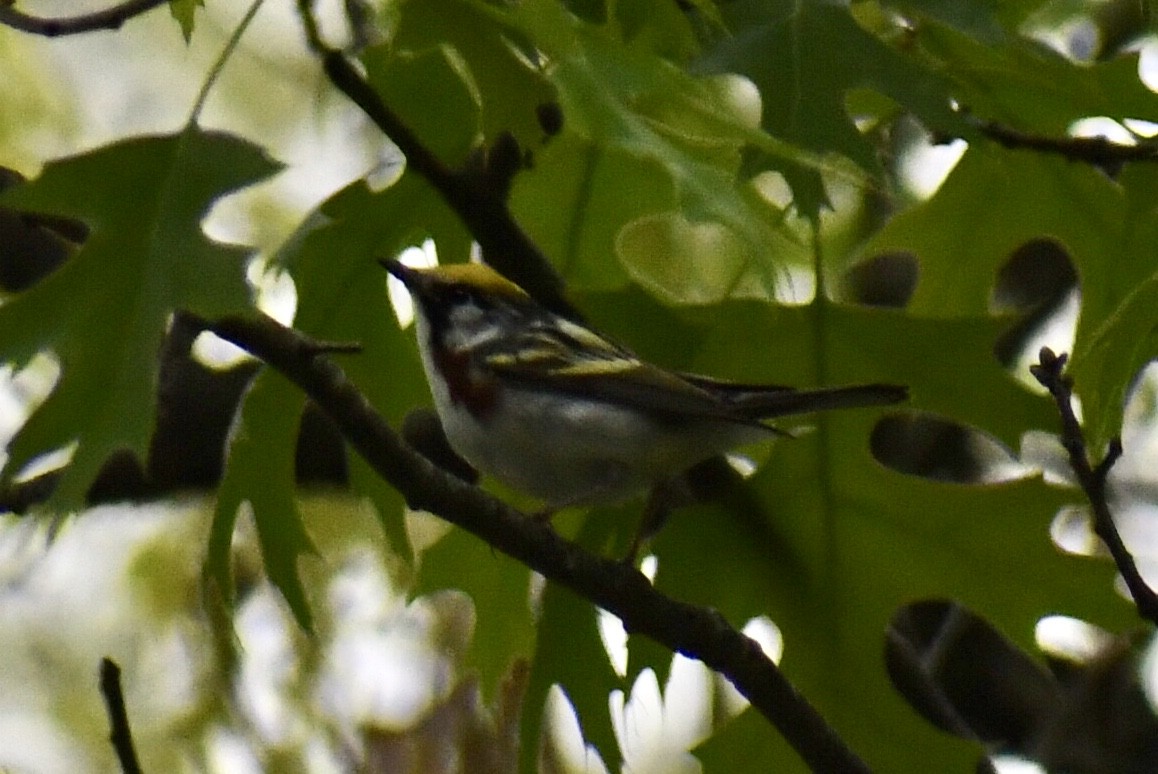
474, 196
1090, 150
618, 588
108, 19
1049, 371
120, 734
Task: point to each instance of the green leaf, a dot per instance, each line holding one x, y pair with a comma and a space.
961, 240
448, 125
1107, 228
1118, 328
507, 85
787, 50
839, 542
105, 311
1031, 87
693, 129
260, 471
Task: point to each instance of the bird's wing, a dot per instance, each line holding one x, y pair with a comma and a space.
565, 357
574, 360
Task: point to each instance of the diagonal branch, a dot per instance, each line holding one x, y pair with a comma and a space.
1049, 371
474, 196
616, 587
108, 19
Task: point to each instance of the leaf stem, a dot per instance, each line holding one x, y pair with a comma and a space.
219, 65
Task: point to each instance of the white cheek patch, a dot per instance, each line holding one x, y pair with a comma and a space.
470, 327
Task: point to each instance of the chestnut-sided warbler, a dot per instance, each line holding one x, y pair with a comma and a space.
555, 410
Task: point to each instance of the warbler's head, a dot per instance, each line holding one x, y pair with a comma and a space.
464, 304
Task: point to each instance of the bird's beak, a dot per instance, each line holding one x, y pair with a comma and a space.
413, 279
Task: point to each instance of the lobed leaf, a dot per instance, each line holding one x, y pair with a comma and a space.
105, 311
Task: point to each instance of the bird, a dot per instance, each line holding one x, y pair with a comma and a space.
555, 410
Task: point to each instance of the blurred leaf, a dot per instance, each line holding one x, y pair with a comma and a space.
968, 679
570, 653
662, 28
578, 197
487, 736
1026, 85
964, 677
500, 589
1107, 723
105, 311
982, 18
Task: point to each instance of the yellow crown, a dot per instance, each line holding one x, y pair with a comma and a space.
478, 275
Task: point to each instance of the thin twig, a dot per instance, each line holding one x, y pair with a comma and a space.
108, 19
620, 589
1092, 479
121, 734
219, 65
1090, 150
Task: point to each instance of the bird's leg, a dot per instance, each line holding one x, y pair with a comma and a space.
660, 502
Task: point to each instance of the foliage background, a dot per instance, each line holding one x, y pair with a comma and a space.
720, 169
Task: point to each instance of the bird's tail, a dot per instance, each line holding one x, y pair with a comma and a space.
756, 402
778, 404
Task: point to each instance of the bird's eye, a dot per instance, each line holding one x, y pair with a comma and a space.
459, 294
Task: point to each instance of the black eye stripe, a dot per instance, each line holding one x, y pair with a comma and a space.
460, 294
